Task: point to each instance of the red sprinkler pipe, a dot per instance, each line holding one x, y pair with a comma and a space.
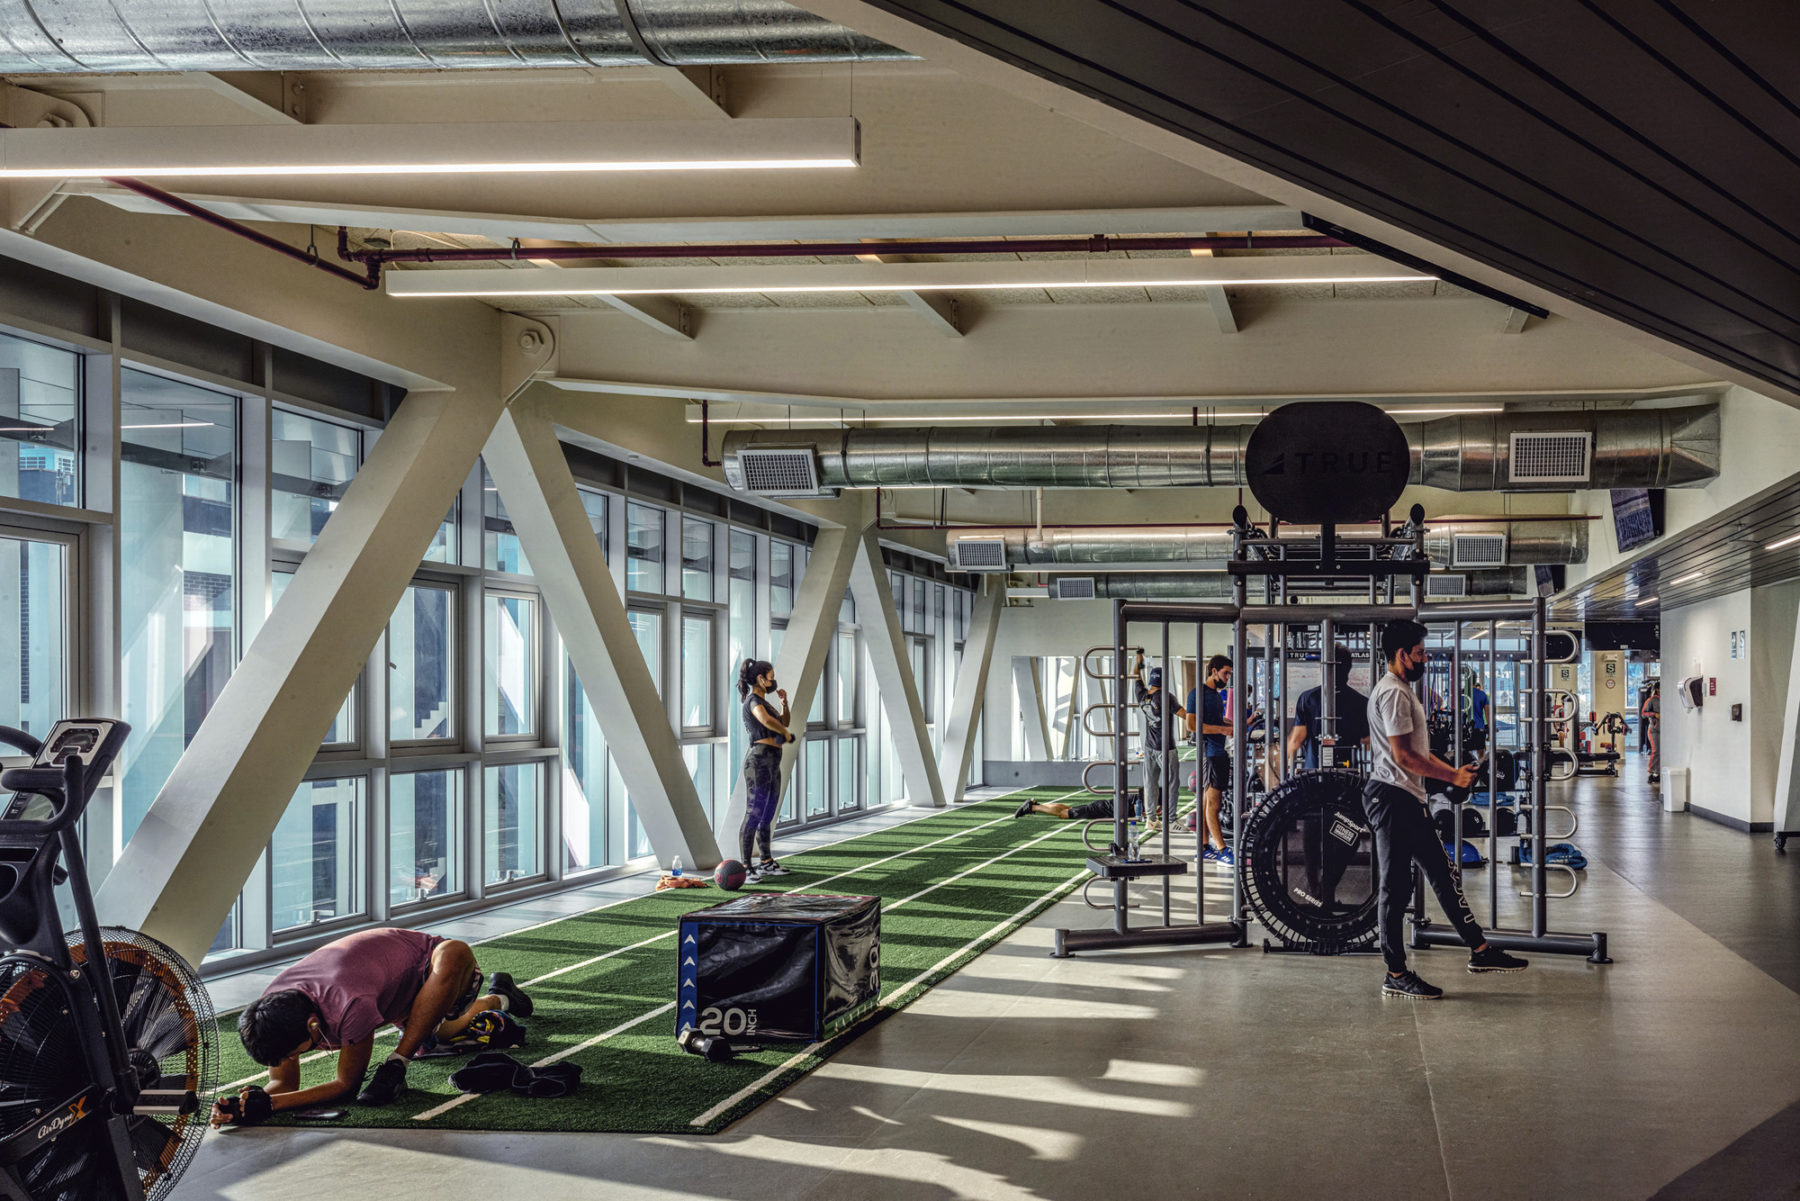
368, 280
1098, 244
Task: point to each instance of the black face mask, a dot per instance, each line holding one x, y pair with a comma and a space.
1415, 672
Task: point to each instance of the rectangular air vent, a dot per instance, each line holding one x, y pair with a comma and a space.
1551, 457
979, 554
1478, 550
778, 472
1074, 587
1446, 585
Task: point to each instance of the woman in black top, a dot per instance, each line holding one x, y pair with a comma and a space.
768, 732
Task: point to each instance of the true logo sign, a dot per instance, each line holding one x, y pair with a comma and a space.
1327, 461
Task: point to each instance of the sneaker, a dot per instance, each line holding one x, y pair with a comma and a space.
517, 1003
752, 876
1208, 855
1026, 809
771, 868
1493, 959
387, 1085
1224, 860
1408, 984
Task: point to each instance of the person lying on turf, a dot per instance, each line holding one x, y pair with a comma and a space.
336, 999
1100, 810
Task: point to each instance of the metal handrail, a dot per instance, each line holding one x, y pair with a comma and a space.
1569, 757
1088, 770
1095, 650
1109, 732
1574, 882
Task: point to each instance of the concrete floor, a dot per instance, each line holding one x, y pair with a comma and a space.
1675, 1072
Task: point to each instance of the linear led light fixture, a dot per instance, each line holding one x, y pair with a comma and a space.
1053, 274
170, 425
985, 418
499, 148
1788, 541
1648, 600
1684, 579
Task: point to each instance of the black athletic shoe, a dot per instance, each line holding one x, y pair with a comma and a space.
1408, 984
1495, 960
1026, 809
517, 1003
387, 1085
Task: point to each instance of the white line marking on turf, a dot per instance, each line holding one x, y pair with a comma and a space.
573, 967
226, 1089
550, 1059
454, 1102
888, 1002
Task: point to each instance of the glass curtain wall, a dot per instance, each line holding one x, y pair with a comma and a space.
451, 775
178, 537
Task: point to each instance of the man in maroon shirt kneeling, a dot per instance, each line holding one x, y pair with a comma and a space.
338, 997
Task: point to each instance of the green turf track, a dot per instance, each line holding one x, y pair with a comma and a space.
637, 1080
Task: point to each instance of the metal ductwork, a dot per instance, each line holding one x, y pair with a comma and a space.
1216, 585
65, 37
1555, 452
1451, 545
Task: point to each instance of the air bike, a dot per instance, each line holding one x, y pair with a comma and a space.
105, 1077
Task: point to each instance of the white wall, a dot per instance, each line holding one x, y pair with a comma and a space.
1756, 451
1733, 763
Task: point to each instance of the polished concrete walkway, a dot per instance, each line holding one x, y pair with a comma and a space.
1675, 1072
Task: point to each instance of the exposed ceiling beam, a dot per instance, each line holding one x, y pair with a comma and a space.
503, 227
271, 97
700, 89
923, 277
1221, 309
663, 316
938, 312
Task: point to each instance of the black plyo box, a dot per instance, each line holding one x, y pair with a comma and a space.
779, 967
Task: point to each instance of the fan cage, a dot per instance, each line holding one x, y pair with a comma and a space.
188, 1013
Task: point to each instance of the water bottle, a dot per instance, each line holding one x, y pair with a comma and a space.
676, 869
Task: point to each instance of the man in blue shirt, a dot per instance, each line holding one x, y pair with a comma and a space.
1478, 707
1215, 756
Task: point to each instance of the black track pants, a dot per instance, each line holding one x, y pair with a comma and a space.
1404, 835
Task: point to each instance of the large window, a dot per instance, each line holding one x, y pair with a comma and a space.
512, 821
584, 782
343, 731
846, 673
781, 579
510, 672
34, 619
696, 559
742, 600
647, 625
315, 857
40, 411
643, 548
500, 549
421, 666
818, 780
311, 462
696, 673
178, 551
424, 835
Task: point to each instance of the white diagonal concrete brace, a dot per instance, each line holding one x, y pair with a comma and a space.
182, 869
893, 671
528, 466
971, 689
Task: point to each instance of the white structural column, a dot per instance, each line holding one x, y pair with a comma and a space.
893, 672
800, 664
971, 688
183, 867
1787, 770
1029, 688
528, 466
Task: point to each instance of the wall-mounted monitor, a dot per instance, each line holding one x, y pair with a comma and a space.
1637, 516
1549, 578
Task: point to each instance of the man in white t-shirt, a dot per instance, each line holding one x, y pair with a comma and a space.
1394, 802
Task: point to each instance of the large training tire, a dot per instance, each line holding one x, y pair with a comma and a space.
1305, 833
